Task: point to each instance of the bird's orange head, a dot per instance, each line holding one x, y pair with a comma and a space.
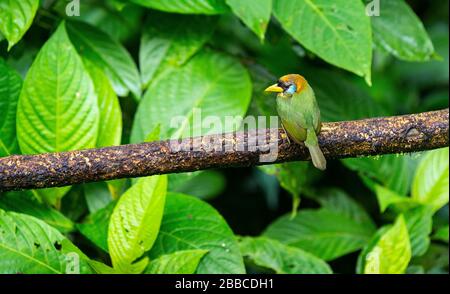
289, 84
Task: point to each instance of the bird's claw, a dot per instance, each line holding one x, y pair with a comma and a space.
287, 135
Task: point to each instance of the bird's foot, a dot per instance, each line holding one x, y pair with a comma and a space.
287, 135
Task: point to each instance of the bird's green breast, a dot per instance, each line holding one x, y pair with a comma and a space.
299, 112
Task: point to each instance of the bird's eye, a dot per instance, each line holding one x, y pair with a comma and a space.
291, 89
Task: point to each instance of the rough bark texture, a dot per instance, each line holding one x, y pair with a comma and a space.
397, 134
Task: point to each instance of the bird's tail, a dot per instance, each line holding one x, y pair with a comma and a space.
317, 157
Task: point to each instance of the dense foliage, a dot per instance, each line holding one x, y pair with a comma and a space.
101, 73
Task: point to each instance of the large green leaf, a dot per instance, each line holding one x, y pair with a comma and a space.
95, 226
16, 18
97, 196
25, 202
179, 262
338, 201
326, 234
431, 73
73, 205
387, 197
109, 55
169, 40
419, 223
404, 37
340, 98
294, 177
101, 268
338, 31
394, 171
30, 246
135, 223
110, 121
189, 223
186, 6
254, 13
260, 105
418, 217
441, 234
10, 85
205, 185
60, 112
121, 23
391, 252
435, 261
211, 83
430, 185
282, 259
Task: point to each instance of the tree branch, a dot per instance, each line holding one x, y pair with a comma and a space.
374, 136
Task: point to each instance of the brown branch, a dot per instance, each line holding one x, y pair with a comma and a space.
397, 134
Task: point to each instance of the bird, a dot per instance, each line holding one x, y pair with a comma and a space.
300, 114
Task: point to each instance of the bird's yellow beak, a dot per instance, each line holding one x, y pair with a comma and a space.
274, 88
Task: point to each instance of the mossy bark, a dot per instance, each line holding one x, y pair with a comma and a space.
374, 136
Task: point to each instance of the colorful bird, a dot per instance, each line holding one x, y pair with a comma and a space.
300, 114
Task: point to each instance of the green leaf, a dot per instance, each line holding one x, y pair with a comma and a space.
189, 223
97, 196
29, 246
254, 13
101, 268
16, 18
430, 186
179, 262
169, 41
210, 83
186, 6
415, 270
260, 105
340, 98
441, 234
77, 261
338, 32
10, 85
432, 73
338, 201
25, 202
388, 197
404, 37
135, 223
95, 226
110, 121
206, 185
419, 223
121, 23
435, 261
73, 205
326, 234
294, 177
60, 112
392, 251
282, 259
394, 172
369, 246
109, 55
